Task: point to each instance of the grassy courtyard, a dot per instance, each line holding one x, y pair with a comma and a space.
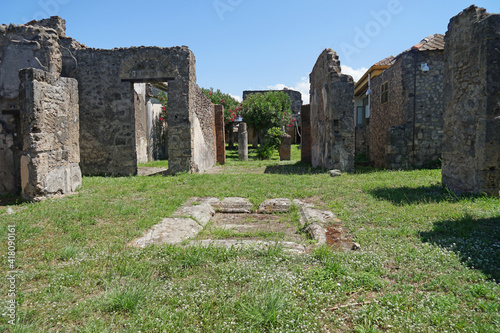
429, 260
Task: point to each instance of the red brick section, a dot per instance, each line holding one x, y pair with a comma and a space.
305, 116
219, 133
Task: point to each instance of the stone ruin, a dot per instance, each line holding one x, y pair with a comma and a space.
79, 107
331, 115
471, 138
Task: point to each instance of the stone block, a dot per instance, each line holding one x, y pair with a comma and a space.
169, 231
278, 205
235, 205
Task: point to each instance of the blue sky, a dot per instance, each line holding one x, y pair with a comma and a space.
253, 44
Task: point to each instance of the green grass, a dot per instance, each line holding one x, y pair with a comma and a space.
154, 164
430, 260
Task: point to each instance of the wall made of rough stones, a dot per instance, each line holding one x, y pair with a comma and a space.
107, 114
49, 127
332, 114
10, 177
471, 140
203, 133
389, 114
406, 132
21, 46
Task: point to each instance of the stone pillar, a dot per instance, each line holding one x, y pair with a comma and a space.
332, 114
305, 143
50, 128
286, 148
243, 142
471, 133
220, 134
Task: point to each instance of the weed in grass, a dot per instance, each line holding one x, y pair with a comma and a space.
261, 308
122, 299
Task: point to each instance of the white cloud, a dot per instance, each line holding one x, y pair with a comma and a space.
355, 73
302, 86
236, 97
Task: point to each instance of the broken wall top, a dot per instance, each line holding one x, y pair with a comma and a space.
26, 46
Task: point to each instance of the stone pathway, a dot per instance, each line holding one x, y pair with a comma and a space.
235, 217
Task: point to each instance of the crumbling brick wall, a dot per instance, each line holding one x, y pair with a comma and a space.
332, 114
49, 127
471, 141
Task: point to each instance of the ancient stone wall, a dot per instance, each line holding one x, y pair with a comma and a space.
428, 107
49, 127
471, 139
203, 133
107, 114
363, 139
387, 114
406, 131
21, 46
332, 114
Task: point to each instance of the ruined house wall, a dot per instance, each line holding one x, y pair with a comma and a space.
49, 127
406, 132
107, 115
20, 47
471, 140
203, 133
332, 114
426, 112
389, 114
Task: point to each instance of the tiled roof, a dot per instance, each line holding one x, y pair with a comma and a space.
386, 62
430, 43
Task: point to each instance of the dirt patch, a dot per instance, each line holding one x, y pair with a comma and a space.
338, 237
253, 227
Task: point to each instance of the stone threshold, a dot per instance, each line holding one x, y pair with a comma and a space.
187, 221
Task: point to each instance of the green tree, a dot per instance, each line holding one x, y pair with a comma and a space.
268, 110
231, 106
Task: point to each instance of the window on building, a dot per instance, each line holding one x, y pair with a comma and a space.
384, 93
360, 116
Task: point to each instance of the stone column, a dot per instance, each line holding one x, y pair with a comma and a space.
286, 148
220, 134
243, 142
